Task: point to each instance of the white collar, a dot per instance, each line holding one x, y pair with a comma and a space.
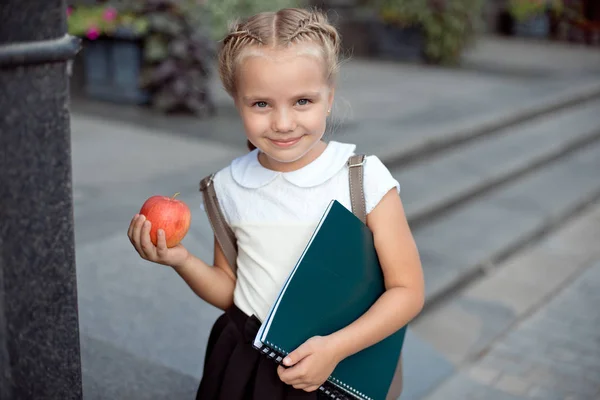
248, 172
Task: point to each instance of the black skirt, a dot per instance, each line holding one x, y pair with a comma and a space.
234, 370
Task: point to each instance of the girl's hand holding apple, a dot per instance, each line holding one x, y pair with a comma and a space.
156, 231
139, 235
158, 228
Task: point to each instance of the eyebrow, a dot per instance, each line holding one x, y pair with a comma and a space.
299, 96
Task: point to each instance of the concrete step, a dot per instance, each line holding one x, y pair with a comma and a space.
559, 338
399, 112
442, 125
476, 318
147, 313
446, 180
461, 245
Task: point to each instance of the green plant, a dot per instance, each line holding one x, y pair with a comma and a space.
178, 53
558, 7
93, 21
448, 25
525, 9
178, 56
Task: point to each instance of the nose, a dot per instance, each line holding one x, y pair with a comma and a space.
283, 121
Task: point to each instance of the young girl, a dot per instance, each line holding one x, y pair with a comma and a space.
280, 69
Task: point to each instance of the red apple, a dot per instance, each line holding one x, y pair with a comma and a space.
169, 214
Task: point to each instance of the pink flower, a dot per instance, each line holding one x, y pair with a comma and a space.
109, 14
92, 33
69, 11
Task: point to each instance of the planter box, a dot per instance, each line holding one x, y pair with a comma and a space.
112, 69
534, 27
398, 43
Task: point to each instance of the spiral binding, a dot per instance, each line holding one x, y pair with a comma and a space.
327, 388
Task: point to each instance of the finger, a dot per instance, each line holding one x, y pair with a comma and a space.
136, 235
137, 227
312, 388
131, 225
147, 246
301, 386
161, 244
293, 375
289, 377
299, 383
297, 355
280, 372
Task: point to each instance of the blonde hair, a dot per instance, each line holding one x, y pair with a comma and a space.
279, 30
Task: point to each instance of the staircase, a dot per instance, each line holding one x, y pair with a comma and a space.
488, 161
474, 202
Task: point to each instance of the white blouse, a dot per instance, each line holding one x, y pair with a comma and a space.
273, 214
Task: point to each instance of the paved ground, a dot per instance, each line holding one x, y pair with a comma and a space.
531, 57
143, 331
554, 354
530, 329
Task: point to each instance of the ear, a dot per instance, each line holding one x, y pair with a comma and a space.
330, 98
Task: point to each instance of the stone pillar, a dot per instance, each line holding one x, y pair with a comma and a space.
39, 333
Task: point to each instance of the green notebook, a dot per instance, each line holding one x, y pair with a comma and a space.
336, 280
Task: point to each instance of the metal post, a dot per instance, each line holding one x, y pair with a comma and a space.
39, 333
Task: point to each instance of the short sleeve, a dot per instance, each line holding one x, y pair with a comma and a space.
377, 182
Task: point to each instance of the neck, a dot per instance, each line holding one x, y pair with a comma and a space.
303, 161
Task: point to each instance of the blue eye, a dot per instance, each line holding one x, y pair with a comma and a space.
260, 104
303, 102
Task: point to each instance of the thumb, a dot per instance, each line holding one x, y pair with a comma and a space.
161, 243
297, 355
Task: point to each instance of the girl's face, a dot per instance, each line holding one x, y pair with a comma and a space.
283, 98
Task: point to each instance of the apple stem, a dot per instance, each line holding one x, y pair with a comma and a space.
175, 195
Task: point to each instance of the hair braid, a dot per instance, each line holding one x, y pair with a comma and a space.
233, 43
315, 26
283, 28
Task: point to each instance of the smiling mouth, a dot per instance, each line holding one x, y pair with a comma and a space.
285, 142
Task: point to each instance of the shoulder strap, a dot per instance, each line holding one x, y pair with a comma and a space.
223, 233
357, 191
226, 237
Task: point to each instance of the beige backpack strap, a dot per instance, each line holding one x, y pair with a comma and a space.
357, 193
223, 233
357, 198
397, 382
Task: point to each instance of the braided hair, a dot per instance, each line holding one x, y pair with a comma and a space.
279, 29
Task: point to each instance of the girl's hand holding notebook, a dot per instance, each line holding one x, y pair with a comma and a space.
309, 366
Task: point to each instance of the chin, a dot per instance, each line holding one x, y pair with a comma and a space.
286, 156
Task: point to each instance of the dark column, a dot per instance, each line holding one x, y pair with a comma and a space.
39, 334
